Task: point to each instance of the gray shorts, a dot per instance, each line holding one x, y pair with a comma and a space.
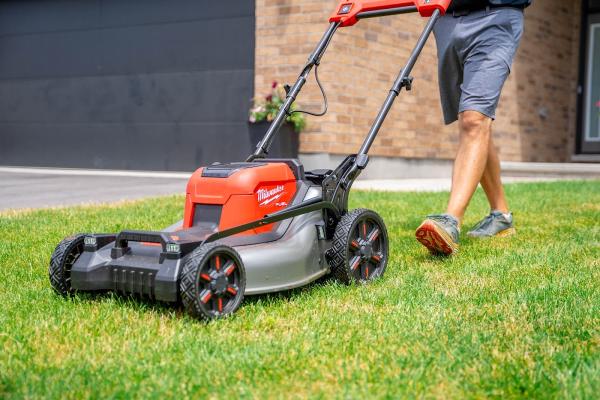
475, 54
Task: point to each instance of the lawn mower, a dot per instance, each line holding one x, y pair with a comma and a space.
259, 226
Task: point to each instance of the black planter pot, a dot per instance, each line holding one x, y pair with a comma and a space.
286, 141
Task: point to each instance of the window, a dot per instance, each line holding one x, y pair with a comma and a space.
592, 103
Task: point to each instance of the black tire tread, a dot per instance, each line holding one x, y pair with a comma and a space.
187, 284
338, 252
56, 267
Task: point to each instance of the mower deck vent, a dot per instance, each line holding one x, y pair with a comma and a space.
133, 282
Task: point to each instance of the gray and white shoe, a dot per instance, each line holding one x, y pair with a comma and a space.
440, 234
496, 224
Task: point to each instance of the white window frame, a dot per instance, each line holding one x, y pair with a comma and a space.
588, 101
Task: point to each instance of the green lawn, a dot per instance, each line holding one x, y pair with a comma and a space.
507, 318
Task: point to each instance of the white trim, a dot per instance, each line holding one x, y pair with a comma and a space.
511, 168
434, 185
95, 172
585, 158
429, 170
588, 101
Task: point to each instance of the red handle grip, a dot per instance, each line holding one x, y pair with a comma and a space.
347, 11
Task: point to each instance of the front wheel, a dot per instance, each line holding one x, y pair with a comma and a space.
213, 282
61, 262
360, 247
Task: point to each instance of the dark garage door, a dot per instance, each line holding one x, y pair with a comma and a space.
126, 84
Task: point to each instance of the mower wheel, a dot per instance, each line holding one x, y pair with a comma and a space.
213, 281
61, 262
360, 247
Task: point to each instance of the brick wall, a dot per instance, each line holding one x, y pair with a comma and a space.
536, 117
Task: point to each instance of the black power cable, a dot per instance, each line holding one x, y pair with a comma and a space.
320, 114
317, 62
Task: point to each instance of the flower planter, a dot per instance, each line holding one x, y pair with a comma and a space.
286, 141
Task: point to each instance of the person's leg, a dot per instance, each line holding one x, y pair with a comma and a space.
471, 160
440, 233
491, 181
500, 221
485, 43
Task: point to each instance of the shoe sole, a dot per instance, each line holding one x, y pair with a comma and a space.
505, 233
435, 239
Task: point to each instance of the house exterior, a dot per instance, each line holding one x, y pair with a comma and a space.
167, 85
548, 111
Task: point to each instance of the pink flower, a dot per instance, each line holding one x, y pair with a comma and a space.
269, 98
274, 85
598, 104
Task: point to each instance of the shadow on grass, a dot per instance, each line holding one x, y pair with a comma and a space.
141, 304
438, 259
131, 301
409, 224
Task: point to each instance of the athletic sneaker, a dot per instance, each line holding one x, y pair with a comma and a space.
440, 234
495, 224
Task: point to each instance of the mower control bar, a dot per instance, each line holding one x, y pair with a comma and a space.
336, 187
386, 12
176, 249
290, 212
347, 14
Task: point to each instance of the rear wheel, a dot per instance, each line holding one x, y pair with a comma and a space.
213, 282
65, 255
360, 247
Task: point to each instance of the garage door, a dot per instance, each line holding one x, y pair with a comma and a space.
125, 84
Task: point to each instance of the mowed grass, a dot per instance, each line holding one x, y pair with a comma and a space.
506, 318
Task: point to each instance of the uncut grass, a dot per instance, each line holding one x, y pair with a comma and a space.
506, 318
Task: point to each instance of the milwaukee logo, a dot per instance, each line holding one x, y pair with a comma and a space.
265, 196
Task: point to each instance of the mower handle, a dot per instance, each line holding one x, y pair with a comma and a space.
262, 148
122, 241
349, 12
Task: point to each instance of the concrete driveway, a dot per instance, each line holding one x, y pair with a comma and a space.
38, 187
22, 188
